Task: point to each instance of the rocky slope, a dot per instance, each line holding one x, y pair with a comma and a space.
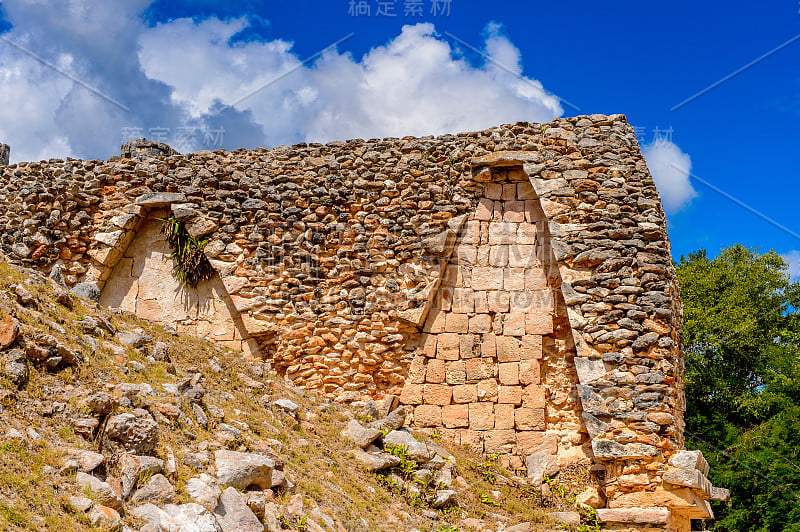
112, 423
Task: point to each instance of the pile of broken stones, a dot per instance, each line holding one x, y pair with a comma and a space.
372, 440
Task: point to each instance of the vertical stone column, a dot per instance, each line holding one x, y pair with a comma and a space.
5, 151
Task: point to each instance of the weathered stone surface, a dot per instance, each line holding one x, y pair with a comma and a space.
104, 518
375, 461
393, 421
651, 516
101, 491
611, 450
9, 330
88, 291
15, 366
160, 199
548, 259
137, 434
233, 515
444, 498
204, 491
188, 517
131, 467
241, 470
158, 490
360, 435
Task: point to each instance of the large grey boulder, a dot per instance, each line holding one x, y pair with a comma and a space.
188, 517
158, 490
138, 434
88, 291
360, 435
101, 491
241, 470
375, 461
132, 467
204, 491
233, 515
391, 422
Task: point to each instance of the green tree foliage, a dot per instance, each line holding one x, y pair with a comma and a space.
742, 354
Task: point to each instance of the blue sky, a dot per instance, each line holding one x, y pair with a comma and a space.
173, 64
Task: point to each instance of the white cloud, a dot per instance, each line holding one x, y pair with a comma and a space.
792, 258
187, 72
670, 168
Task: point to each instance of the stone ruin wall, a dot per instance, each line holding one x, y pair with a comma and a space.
513, 286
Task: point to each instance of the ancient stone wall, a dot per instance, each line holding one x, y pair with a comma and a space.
514, 286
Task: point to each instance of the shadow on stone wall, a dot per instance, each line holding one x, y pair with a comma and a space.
142, 283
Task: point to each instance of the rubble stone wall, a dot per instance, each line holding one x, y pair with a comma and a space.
514, 285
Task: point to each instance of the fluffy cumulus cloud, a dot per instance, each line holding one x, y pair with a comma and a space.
193, 84
670, 168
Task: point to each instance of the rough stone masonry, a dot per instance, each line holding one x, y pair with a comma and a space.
513, 286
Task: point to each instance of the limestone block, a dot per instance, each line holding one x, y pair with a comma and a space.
535, 279
487, 390
465, 393
504, 416
498, 256
514, 279
456, 373
481, 301
435, 371
538, 323
160, 199
455, 416
522, 256
508, 373
487, 278
437, 394
479, 368
481, 416
499, 441
489, 346
480, 323
652, 516
498, 301
529, 372
468, 346
502, 233
484, 209
509, 395
534, 396
428, 342
456, 323
531, 347
411, 394
514, 324
529, 442
529, 419
428, 416
467, 254
514, 211
493, 191
435, 322
471, 438
463, 302
509, 349
417, 370
447, 346
525, 191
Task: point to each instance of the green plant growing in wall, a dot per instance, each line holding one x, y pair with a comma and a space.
189, 264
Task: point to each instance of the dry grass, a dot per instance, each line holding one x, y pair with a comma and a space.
33, 496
